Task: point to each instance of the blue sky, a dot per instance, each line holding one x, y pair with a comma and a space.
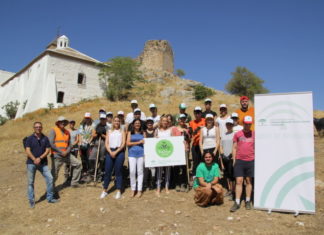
281, 41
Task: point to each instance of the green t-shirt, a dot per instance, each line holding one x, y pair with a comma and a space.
208, 173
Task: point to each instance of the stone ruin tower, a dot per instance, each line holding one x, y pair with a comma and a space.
157, 56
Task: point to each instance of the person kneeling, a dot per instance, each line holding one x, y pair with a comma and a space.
207, 189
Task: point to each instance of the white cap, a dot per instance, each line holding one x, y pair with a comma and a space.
152, 106
208, 100
102, 115
61, 119
229, 120
182, 106
109, 113
182, 115
87, 115
197, 108
222, 106
134, 102
247, 119
137, 110
150, 119
234, 115
209, 115
120, 113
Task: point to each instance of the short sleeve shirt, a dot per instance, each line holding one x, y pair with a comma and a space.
206, 172
241, 114
195, 127
37, 147
245, 145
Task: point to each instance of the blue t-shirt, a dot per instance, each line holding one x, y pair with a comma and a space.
136, 150
37, 147
206, 172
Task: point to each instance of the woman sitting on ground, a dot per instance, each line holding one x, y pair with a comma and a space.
207, 189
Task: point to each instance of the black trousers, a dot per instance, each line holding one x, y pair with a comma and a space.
196, 158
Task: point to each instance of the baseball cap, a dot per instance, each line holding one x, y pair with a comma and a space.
209, 115
87, 115
102, 110
247, 119
137, 110
102, 116
109, 113
152, 106
182, 115
182, 106
120, 113
244, 98
223, 106
198, 108
208, 100
134, 102
149, 119
234, 115
229, 120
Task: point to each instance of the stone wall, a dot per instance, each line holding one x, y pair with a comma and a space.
157, 55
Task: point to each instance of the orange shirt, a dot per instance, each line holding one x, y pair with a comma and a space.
196, 131
241, 114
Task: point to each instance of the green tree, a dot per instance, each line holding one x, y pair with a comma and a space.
201, 92
244, 82
118, 76
11, 109
3, 120
180, 73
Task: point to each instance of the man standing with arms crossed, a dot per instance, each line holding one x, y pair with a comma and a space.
243, 157
37, 148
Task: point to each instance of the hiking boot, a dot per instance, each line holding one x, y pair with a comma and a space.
235, 207
248, 205
53, 201
177, 188
31, 203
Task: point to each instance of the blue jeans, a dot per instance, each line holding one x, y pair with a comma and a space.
117, 164
31, 172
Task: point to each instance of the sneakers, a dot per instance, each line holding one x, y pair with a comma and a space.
53, 201
103, 195
118, 195
31, 203
235, 207
248, 205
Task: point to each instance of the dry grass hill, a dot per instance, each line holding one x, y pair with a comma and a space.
80, 210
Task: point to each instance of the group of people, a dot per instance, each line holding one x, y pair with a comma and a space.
221, 148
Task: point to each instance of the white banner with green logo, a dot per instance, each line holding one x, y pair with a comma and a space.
168, 151
284, 152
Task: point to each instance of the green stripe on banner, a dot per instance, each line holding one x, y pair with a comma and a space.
279, 103
278, 174
290, 185
307, 204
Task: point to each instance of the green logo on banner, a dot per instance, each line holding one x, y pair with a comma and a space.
164, 148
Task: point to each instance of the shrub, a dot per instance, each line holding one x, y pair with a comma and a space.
11, 109
180, 73
3, 120
202, 92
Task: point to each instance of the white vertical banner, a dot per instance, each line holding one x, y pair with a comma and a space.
284, 152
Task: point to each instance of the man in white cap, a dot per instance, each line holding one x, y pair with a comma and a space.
221, 120
155, 117
121, 116
137, 115
243, 156
99, 136
59, 139
236, 127
130, 115
208, 104
226, 149
182, 110
96, 122
194, 129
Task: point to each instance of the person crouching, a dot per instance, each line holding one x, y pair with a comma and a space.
207, 189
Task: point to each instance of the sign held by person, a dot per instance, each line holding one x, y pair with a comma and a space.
168, 151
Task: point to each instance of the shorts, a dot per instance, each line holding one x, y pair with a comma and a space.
228, 167
243, 168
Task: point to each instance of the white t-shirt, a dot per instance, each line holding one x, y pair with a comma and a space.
237, 128
209, 137
130, 117
222, 124
156, 119
227, 143
164, 133
115, 138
